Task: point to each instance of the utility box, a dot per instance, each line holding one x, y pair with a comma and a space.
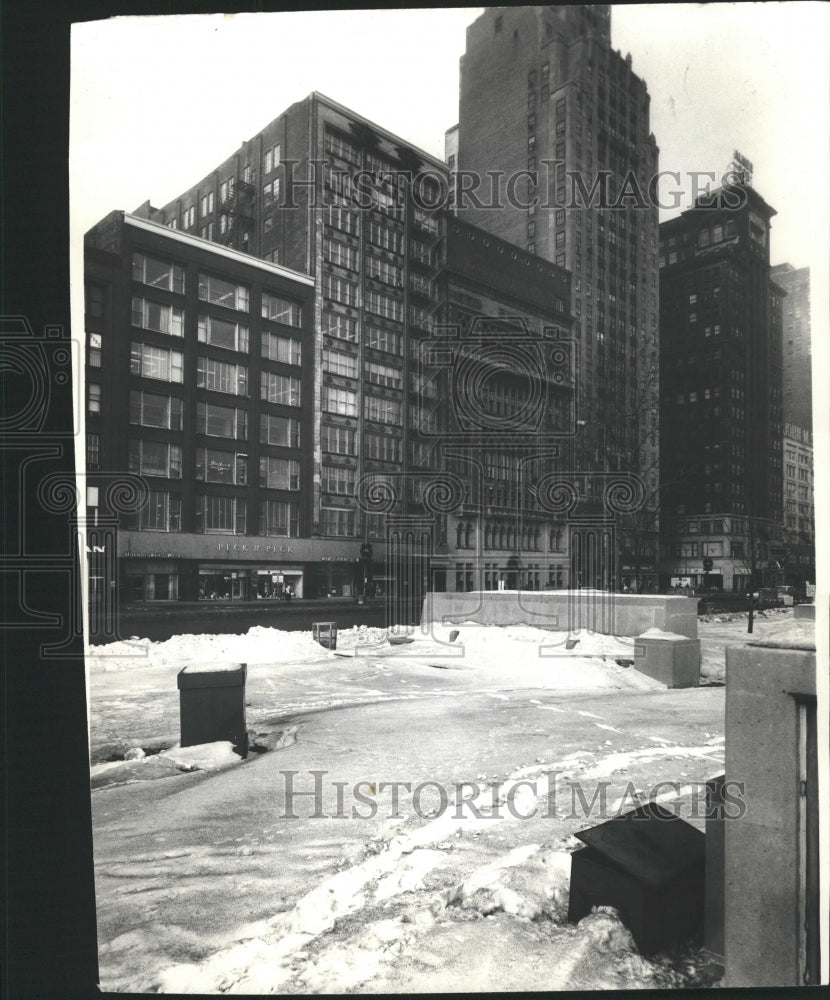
325, 633
650, 866
212, 704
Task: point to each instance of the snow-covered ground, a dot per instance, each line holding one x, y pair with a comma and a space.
409, 824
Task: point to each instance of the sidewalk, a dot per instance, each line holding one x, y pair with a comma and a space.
154, 607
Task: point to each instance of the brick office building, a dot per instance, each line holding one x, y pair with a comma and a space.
199, 374
543, 94
721, 394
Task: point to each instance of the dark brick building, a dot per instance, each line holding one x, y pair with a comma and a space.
721, 393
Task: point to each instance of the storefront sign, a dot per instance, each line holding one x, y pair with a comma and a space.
227, 547
337, 559
151, 555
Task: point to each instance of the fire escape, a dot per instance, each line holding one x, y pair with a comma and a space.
238, 210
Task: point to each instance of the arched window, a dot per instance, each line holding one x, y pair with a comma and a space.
468, 535
459, 528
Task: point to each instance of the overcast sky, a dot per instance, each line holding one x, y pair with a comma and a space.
158, 101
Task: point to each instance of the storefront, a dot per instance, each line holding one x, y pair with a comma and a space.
274, 581
238, 568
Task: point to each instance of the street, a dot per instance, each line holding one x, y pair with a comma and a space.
159, 622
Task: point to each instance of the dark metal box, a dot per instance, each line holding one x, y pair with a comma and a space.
212, 704
650, 866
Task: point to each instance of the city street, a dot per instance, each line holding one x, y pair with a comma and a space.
159, 621
302, 870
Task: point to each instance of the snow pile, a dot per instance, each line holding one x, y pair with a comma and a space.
258, 645
527, 882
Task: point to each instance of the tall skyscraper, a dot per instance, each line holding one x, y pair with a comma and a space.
721, 423
544, 97
798, 388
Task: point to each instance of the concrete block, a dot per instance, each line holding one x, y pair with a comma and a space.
804, 612
567, 610
672, 659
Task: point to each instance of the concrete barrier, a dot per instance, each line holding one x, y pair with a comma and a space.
567, 610
768, 920
672, 659
804, 612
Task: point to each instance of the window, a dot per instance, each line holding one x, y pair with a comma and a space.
342, 327
278, 517
384, 236
221, 421
341, 254
342, 218
337, 523
285, 349
158, 273
272, 158
221, 333
383, 448
206, 204
158, 317
219, 292
382, 270
155, 458
94, 300
339, 401
279, 473
220, 376
384, 375
339, 289
281, 310
226, 189
93, 452
384, 305
340, 364
215, 466
384, 411
151, 410
189, 217
271, 192
384, 340
156, 362
278, 430
221, 515
94, 350
162, 512
284, 389
339, 440
341, 147
338, 479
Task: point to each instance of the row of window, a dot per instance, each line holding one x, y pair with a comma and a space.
344, 402
220, 515
164, 458
166, 365
217, 291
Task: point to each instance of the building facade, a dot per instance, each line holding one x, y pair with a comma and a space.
549, 108
199, 375
721, 395
798, 386
337, 398
799, 562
